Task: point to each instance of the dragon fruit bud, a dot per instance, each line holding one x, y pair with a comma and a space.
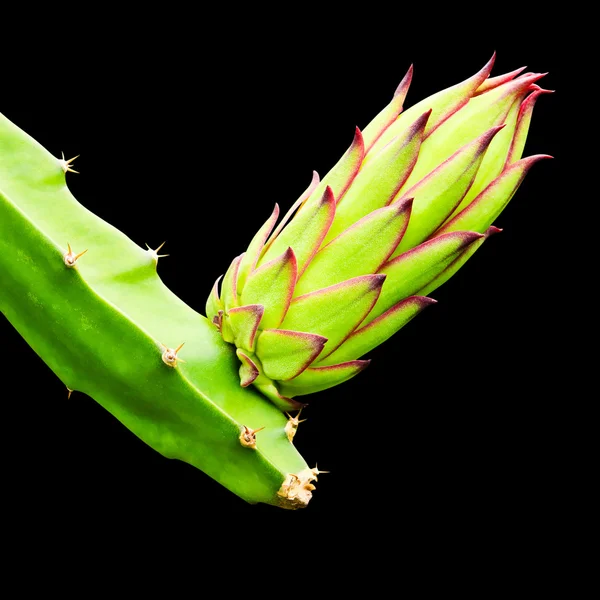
354, 259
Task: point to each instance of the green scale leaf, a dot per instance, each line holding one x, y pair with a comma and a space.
285, 354
272, 286
436, 196
389, 114
334, 312
252, 255
376, 184
457, 263
413, 270
370, 336
244, 322
229, 294
343, 173
360, 250
484, 209
305, 233
248, 369
317, 379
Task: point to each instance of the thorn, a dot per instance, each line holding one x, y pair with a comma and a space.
70, 259
70, 391
295, 419
169, 356
316, 472
66, 164
292, 425
248, 437
154, 253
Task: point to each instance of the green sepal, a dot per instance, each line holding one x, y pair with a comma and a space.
229, 295
248, 369
252, 254
334, 312
305, 233
285, 354
495, 158
317, 379
244, 322
443, 105
272, 285
436, 196
378, 182
523, 122
457, 263
370, 336
389, 114
413, 270
343, 173
360, 250
300, 202
214, 304
484, 209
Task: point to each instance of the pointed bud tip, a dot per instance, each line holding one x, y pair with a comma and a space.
471, 236
492, 230
418, 127
405, 83
536, 88
487, 68
404, 205
422, 301
358, 140
377, 281
488, 136
328, 196
537, 157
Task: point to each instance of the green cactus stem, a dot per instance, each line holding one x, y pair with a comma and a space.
106, 325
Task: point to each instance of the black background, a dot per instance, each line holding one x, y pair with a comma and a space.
189, 132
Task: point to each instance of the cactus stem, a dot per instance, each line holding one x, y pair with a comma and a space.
70, 258
248, 437
292, 425
154, 253
169, 356
66, 164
